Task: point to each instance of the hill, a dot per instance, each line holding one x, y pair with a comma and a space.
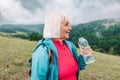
13, 28
102, 35
15, 53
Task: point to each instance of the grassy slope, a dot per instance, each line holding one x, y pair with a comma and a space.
106, 67
14, 54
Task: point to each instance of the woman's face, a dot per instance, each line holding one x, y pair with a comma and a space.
65, 29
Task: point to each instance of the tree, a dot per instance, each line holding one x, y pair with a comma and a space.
35, 36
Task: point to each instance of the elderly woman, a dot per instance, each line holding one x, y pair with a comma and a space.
66, 62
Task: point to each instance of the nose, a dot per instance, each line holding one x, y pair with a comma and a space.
70, 28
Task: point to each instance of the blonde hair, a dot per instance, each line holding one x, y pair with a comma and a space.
52, 25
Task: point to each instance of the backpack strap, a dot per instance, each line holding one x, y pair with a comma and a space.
51, 60
51, 57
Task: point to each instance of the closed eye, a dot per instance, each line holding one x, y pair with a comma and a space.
67, 23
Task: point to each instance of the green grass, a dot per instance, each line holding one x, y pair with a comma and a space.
106, 67
15, 52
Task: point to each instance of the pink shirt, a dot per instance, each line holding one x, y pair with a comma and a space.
67, 65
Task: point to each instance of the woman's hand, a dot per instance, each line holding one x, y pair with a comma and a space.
86, 51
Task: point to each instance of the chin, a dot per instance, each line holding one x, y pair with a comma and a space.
67, 37
64, 38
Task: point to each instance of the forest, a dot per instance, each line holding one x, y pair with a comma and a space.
102, 35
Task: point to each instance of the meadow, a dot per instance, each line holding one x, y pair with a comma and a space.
15, 52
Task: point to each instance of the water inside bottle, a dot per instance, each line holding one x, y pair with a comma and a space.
89, 59
83, 44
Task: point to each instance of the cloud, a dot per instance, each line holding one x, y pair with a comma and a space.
79, 11
15, 13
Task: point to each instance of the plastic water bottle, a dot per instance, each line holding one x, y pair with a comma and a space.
83, 45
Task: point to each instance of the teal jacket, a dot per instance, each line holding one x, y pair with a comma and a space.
40, 69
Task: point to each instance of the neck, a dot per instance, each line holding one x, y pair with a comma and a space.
59, 39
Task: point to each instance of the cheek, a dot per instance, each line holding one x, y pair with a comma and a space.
64, 34
63, 31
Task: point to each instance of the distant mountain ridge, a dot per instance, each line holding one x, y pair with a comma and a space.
102, 35
12, 28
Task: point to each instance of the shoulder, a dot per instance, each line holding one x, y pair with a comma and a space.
40, 50
70, 44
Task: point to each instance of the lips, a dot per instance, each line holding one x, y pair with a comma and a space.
67, 32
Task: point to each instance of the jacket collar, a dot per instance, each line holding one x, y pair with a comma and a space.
49, 44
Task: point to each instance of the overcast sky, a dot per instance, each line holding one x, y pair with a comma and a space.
79, 11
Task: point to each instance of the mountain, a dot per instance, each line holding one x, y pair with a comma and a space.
13, 28
102, 35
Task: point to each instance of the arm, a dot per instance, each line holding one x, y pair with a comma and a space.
40, 64
79, 58
81, 63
